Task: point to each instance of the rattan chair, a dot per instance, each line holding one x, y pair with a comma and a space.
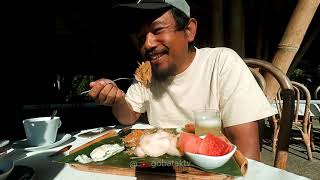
317, 93
287, 112
301, 122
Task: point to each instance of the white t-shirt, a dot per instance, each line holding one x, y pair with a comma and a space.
216, 79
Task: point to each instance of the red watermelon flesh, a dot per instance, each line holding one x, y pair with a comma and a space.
189, 142
213, 146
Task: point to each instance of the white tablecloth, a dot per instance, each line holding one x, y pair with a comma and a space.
46, 169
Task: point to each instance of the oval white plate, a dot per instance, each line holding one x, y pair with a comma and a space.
23, 144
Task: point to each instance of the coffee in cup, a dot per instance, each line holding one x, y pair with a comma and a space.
41, 131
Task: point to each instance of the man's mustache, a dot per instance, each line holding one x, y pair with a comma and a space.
149, 53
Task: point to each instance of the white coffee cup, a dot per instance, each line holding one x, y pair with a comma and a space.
41, 131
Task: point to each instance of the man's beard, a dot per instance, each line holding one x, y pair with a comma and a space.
162, 75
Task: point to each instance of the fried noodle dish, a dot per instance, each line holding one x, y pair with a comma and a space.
143, 73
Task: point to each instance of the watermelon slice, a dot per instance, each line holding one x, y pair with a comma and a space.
188, 142
214, 146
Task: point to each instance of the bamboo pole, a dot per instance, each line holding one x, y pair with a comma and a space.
291, 40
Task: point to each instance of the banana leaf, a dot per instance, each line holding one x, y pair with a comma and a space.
124, 160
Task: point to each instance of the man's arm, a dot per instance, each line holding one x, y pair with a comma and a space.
246, 138
106, 92
124, 112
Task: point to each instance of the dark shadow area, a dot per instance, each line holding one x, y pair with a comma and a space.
155, 173
74, 117
21, 172
55, 49
38, 165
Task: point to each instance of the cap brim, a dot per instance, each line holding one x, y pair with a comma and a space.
148, 6
129, 16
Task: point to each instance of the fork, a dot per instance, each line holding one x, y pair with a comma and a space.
87, 91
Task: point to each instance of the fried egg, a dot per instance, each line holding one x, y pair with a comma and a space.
100, 153
105, 151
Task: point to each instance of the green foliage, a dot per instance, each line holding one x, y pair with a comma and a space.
81, 83
76, 84
298, 75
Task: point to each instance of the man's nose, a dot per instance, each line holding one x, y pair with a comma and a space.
150, 41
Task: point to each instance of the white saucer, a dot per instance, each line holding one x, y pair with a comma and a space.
23, 144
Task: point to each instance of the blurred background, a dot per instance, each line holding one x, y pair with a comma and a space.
55, 49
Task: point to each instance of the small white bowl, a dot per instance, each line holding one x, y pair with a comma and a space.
6, 166
210, 162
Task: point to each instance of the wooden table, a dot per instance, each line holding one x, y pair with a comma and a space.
46, 169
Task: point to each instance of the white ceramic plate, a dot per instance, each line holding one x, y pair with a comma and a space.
23, 144
4, 143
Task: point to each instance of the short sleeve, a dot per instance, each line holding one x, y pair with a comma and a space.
241, 99
135, 96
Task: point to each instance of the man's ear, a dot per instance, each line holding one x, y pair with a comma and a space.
191, 29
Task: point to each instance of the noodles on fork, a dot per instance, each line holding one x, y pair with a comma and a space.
143, 73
